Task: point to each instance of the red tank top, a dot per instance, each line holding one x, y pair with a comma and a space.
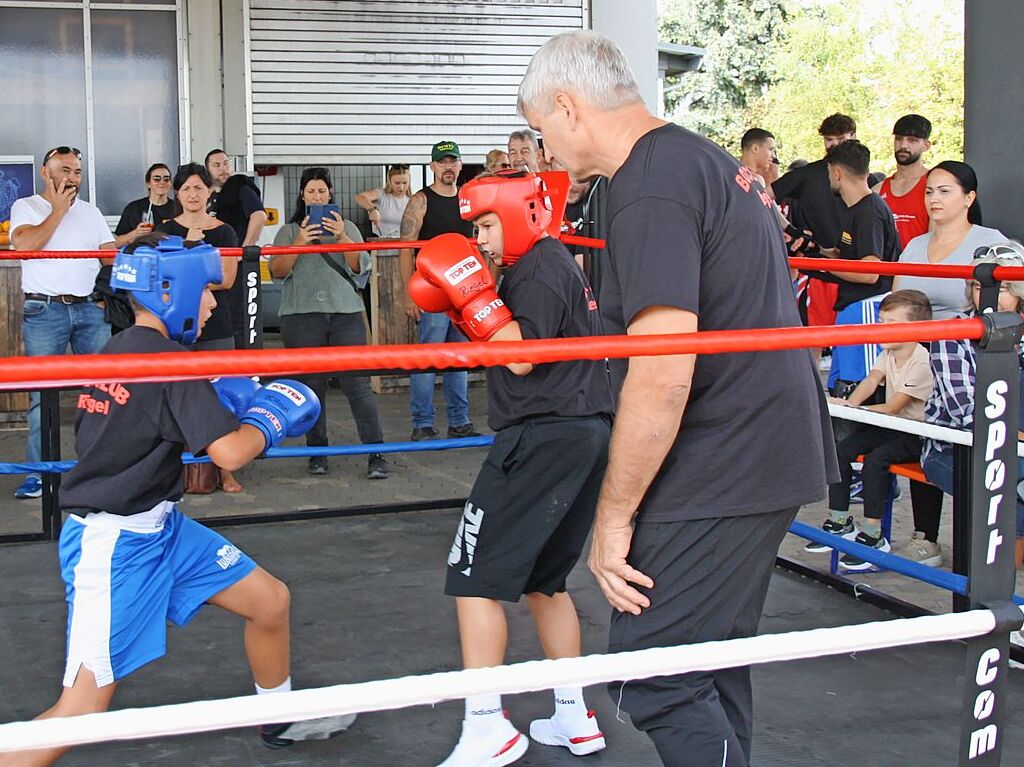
909, 210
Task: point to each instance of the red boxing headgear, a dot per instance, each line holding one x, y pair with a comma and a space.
521, 202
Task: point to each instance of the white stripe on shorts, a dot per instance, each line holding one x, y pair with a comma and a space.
89, 638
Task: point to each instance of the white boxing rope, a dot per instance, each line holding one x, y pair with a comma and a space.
907, 425
300, 705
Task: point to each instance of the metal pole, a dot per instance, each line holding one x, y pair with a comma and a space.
49, 437
249, 273
993, 511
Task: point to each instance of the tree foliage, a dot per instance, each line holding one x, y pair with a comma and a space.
872, 60
739, 36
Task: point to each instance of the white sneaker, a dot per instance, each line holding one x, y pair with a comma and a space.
496, 747
581, 736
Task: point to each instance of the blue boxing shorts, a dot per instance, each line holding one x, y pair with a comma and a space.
853, 363
126, 576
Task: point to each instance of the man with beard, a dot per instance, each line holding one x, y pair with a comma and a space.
236, 202
903, 191
432, 211
60, 303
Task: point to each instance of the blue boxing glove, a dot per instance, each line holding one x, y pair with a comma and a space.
283, 409
235, 393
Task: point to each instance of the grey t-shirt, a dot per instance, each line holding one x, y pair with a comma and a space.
948, 296
313, 286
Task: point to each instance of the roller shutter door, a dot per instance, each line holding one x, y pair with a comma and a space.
373, 82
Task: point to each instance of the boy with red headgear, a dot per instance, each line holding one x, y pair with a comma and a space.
532, 505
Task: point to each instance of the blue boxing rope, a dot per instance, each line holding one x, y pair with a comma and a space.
62, 467
930, 575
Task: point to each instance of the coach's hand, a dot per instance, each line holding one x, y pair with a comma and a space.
608, 551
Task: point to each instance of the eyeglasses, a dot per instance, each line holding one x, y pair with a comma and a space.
158, 179
61, 150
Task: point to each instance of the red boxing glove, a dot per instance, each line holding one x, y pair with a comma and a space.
426, 296
451, 264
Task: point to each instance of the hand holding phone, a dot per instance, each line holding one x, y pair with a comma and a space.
317, 214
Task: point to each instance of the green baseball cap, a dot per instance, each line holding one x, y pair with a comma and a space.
445, 149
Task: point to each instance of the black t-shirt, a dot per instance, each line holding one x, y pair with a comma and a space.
219, 324
129, 437
235, 203
819, 209
868, 229
690, 229
549, 297
131, 216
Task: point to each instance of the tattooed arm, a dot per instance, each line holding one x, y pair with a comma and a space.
412, 222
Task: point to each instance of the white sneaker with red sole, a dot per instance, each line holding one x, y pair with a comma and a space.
496, 747
581, 737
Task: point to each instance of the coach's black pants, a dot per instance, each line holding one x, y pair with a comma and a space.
710, 581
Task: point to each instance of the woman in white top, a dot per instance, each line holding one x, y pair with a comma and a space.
951, 196
386, 206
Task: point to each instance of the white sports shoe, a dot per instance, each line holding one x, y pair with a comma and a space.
581, 737
496, 747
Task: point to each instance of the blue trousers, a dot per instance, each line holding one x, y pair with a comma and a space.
436, 328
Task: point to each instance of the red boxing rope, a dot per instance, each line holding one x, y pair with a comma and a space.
807, 264
80, 370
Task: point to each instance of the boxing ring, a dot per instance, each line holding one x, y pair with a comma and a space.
987, 584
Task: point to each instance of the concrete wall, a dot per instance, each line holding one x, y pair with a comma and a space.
994, 109
634, 26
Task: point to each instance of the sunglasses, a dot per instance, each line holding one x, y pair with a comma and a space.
62, 150
398, 168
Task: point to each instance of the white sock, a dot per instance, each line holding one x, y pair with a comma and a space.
285, 686
483, 710
569, 702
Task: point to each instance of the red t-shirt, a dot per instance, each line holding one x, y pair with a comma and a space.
909, 210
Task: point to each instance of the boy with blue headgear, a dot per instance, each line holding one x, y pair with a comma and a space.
129, 558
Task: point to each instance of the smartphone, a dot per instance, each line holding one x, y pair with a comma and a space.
317, 213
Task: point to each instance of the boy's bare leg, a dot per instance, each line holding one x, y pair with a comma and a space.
483, 631
82, 698
264, 602
558, 626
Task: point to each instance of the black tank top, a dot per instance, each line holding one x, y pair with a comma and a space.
442, 216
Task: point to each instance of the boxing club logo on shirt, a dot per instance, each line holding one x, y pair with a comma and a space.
462, 270
118, 395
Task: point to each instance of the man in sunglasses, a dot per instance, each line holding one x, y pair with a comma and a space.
60, 307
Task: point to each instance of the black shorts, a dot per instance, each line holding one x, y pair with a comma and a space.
530, 510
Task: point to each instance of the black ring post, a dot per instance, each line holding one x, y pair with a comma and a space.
249, 274
962, 469
49, 439
993, 512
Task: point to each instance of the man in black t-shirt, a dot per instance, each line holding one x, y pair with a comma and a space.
867, 233
236, 202
818, 211
131, 561
532, 504
693, 507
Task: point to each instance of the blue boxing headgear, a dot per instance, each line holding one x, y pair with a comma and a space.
168, 279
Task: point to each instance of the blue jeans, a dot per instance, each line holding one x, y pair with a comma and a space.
435, 328
47, 329
938, 467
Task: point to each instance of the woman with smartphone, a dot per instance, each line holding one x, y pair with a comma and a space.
321, 305
140, 216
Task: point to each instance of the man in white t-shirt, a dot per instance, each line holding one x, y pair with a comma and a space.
59, 304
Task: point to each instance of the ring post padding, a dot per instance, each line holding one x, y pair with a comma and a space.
249, 273
985, 274
49, 444
993, 511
